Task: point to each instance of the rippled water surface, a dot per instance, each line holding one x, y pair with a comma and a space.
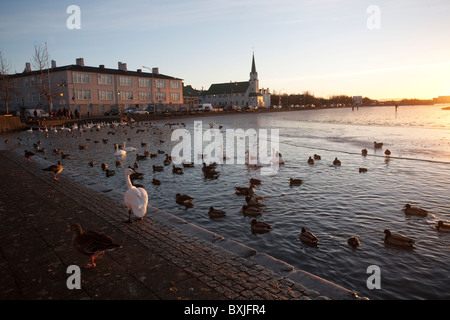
333, 202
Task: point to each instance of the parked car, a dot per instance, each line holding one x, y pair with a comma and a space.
135, 111
39, 113
112, 113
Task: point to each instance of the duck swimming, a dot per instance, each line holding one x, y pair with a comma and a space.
443, 227
215, 213
251, 211
311, 160
415, 211
364, 152
308, 237
398, 239
353, 241
260, 227
185, 200
337, 162
295, 182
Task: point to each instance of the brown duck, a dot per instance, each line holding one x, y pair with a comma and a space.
91, 243
55, 168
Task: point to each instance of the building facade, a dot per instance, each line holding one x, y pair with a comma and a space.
242, 94
95, 89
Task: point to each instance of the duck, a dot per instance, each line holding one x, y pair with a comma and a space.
158, 168
414, 211
387, 152
136, 199
244, 191
308, 237
443, 226
141, 157
136, 175
185, 200
252, 201
118, 163
317, 157
254, 181
216, 213
251, 211
398, 239
167, 160
188, 165
104, 166
353, 241
280, 159
91, 243
176, 170
55, 168
362, 170
91, 163
29, 155
377, 145
336, 162
82, 147
295, 182
110, 173
156, 182
260, 226
364, 152
211, 174
311, 160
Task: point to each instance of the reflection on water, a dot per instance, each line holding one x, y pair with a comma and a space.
333, 202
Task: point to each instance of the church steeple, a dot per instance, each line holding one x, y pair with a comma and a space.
254, 83
253, 64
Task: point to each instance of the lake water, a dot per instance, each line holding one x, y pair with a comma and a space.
333, 202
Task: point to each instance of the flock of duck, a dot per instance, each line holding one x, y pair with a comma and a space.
136, 197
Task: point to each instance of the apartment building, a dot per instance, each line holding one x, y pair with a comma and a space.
95, 89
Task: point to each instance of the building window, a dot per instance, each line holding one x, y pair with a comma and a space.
160, 96
144, 83
82, 94
144, 95
80, 77
174, 84
175, 96
105, 79
105, 95
125, 81
160, 83
126, 95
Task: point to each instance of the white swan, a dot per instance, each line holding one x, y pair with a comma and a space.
119, 153
127, 149
136, 199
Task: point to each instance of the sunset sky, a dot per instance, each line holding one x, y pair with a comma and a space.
326, 47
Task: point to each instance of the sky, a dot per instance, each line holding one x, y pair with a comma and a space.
377, 49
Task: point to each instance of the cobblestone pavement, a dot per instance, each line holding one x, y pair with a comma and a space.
157, 261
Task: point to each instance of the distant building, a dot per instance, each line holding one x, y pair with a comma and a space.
442, 99
191, 97
357, 100
96, 89
243, 93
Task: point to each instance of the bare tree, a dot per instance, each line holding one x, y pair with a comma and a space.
40, 62
5, 85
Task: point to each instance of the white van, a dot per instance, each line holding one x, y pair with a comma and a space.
205, 107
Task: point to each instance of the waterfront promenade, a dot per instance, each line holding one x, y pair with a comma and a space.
162, 258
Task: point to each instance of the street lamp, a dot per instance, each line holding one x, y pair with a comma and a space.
151, 88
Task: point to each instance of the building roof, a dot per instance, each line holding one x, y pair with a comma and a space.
75, 67
227, 88
189, 91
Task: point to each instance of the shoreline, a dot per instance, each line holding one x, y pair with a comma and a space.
185, 244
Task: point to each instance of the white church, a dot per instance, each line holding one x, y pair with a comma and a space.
242, 94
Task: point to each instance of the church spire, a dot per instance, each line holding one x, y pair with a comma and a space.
253, 64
